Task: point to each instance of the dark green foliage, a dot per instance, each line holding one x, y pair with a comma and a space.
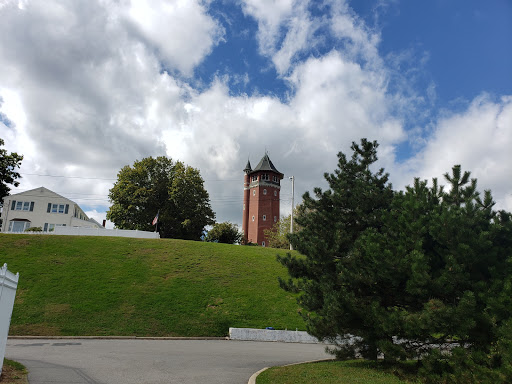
34, 229
154, 185
8, 174
331, 224
226, 233
410, 273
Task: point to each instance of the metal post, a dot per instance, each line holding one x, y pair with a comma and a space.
292, 178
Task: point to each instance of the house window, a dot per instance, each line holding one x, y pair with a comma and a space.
264, 176
22, 206
18, 225
264, 217
264, 191
253, 218
58, 208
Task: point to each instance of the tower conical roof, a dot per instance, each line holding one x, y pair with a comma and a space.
265, 164
248, 168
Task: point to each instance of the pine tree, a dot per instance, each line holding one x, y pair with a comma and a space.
407, 273
331, 223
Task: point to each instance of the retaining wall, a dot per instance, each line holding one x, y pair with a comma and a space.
253, 334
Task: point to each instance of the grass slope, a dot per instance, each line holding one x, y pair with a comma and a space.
73, 285
340, 372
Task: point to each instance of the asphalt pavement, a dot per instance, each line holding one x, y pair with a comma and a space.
138, 361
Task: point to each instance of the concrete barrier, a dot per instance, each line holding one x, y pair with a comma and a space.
253, 334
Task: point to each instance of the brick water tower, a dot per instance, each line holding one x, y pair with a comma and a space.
262, 186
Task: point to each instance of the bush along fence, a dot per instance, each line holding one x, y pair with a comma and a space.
8, 285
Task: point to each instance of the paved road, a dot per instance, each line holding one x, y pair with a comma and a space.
153, 361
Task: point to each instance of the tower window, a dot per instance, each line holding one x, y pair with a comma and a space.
253, 218
275, 219
254, 192
264, 176
264, 191
244, 206
262, 243
254, 178
264, 217
275, 193
274, 179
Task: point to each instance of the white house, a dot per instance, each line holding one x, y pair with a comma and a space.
43, 208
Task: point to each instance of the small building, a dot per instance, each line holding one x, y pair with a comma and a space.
262, 186
42, 208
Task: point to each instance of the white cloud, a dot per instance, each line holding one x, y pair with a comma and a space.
360, 41
285, 28
479, 139
181, 32
83, 86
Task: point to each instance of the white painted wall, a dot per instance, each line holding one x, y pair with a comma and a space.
37, 214
82, 231
8, 285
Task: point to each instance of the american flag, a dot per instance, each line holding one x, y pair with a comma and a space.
155, 220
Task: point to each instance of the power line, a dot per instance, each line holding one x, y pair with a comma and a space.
100, 178
65, 177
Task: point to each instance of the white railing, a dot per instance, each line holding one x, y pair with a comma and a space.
8, 285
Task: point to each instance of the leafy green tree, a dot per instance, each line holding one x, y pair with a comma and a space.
226, 232
172, 189
8, 174
277, 236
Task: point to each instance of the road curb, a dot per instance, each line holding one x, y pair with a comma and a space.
252, 379
113, 338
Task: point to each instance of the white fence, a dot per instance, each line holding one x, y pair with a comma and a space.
8, 285
83, 231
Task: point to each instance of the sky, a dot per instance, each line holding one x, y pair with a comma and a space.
89, 86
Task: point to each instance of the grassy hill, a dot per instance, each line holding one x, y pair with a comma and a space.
117, 286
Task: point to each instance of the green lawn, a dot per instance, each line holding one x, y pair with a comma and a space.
337, 372
72, 285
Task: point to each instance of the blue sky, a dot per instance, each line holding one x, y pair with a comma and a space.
87, 87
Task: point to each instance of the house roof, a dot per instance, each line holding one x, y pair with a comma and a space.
265, 164
39, 192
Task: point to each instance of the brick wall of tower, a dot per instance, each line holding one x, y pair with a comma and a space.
261, 208
245, 208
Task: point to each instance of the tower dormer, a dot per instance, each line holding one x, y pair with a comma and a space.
262, 187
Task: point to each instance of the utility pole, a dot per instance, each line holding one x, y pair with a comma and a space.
292, 178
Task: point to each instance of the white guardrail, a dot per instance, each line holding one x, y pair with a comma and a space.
8, 285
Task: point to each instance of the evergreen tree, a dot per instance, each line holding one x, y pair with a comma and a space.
331, 223
407, 273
